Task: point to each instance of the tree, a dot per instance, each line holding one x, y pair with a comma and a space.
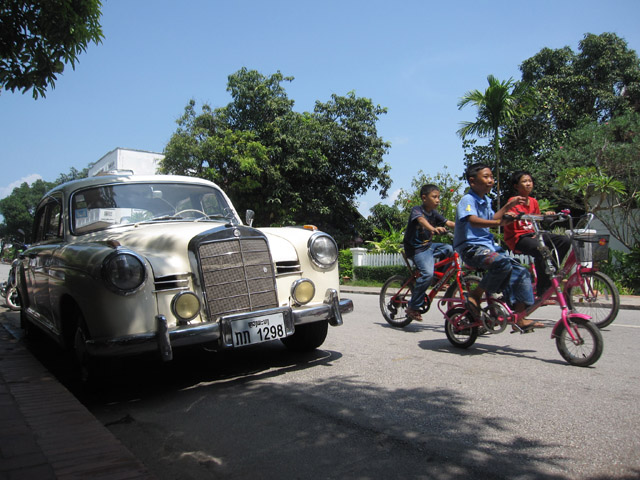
387, 217
18, 209
389, 222
596, 84
290, 167
498, 107
39, 37
602, 173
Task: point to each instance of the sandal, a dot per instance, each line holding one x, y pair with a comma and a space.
413, 314
473, 309
525, 326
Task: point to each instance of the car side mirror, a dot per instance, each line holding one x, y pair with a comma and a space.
249, 217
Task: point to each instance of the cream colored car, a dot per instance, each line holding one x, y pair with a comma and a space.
128, 264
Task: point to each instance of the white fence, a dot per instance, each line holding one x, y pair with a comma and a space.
362, 258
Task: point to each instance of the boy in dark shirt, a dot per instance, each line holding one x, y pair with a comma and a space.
424, 222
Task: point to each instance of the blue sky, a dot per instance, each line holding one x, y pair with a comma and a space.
417, 58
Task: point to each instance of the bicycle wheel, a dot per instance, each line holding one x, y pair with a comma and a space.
12, 298
394, 298
459, 338
587, 348
596, 296
469, 282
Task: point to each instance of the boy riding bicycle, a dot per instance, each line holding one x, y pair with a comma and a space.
424, 222
475, 244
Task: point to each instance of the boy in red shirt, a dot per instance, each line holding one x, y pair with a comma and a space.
519, 235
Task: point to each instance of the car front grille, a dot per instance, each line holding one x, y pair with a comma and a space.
237, 276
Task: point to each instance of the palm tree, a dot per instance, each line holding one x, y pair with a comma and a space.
498, 106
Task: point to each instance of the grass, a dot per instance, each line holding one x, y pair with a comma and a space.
362, 283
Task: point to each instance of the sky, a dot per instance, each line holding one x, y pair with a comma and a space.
416, 58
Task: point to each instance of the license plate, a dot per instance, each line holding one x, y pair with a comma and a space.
247, 331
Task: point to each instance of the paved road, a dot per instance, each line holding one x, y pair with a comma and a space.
377, 402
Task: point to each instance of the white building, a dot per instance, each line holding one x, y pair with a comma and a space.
137, 161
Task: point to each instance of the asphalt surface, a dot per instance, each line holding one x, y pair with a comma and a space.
45, 432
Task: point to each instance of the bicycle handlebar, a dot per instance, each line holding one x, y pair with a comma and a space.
536, 219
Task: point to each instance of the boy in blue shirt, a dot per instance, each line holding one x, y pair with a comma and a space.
424, 222
475, 244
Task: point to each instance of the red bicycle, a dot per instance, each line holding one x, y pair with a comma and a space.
396, 291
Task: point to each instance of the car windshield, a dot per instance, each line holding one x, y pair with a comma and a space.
106, 206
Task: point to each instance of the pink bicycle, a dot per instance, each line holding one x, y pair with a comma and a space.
578, 340
586, 289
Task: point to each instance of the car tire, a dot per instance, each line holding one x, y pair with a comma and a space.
307, 337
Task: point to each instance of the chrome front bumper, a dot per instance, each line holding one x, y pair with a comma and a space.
166, 338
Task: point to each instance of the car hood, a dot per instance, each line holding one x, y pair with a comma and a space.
165, 245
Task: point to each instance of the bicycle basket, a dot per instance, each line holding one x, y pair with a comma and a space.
590, 247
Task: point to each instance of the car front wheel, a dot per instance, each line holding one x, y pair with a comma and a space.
307, 337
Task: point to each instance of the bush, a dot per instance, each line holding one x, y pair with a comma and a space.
345, 264
379, 274
624, 270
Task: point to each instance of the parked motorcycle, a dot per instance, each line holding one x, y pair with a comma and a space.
9, 289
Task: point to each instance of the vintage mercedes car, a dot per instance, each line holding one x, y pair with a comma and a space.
124, 264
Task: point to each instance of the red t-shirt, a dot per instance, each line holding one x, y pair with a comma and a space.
514, 230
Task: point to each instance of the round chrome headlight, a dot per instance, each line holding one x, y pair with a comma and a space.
302, 291
123, 272
185, 305
323, 250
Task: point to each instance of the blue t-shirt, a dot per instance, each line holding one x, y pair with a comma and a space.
472, 204
417, 238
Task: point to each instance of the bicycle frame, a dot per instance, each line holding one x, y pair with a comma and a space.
454, 268
572, 271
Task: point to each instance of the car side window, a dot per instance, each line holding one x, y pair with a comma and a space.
38, 233
54, 212
48, 224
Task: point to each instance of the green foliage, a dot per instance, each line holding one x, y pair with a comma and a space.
625, 270
599, 83
345, 264
379, 274
451, 191
39, 37
498, 107
546, 205
18, 209
389, 240
387, 217
289, 167
602, 173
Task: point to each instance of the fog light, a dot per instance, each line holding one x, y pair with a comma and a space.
303, 291
185, 306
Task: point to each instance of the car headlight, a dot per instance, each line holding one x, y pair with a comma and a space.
185, 306
323, 250
123, 272
302, 291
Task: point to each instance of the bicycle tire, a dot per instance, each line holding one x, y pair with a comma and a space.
12, 298
603, 306
394, 300
588, 351
469, 283
462, 338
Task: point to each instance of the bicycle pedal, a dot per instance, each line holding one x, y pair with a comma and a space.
522, 331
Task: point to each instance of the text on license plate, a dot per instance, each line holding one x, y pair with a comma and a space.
247, 331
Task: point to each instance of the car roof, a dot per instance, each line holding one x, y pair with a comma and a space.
74, 185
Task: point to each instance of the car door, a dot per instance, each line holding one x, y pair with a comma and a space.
47, 239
